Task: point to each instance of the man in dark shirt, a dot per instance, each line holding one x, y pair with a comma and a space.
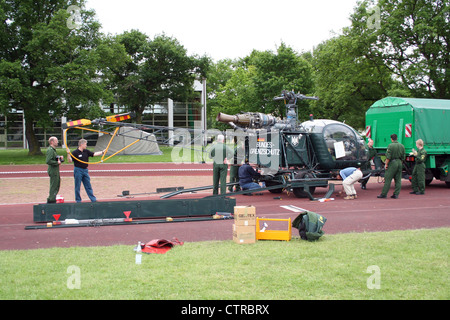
80, 169
246, 175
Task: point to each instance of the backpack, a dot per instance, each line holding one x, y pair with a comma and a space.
309, 225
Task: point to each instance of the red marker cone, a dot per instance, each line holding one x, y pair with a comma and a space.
127, 215
56, 216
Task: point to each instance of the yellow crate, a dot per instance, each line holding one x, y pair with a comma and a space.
273, 234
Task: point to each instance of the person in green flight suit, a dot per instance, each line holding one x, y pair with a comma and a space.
376, 159
220, 154
395, 155
237, 162
53, 161
418, 174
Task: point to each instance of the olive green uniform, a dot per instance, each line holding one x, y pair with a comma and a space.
418, 174
234, 168
376, 159
396, 154
367, 166
53, 173
218, 153
234, 177
372, 153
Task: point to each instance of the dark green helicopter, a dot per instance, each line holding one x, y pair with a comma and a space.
296, 155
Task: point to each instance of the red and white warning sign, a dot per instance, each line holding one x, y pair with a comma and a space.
368, 132
408, 130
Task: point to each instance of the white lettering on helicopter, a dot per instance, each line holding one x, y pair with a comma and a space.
262, 144
265, 151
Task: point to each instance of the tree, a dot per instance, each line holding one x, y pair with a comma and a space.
158, 69
392, 47
49, 63
411, 37
218, 75
346, 81
127, 82
284, 69
238, 93
252, 82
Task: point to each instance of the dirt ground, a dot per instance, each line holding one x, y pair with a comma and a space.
35, 189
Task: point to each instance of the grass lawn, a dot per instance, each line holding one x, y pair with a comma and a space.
409, 264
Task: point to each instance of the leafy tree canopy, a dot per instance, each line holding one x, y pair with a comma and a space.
158, 69
49, 64
251, 83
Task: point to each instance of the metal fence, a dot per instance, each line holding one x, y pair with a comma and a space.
12, 126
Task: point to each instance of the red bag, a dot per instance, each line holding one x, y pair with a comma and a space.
160, 245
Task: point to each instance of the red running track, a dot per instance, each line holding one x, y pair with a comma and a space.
366, 214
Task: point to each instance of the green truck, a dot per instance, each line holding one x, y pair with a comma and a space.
412, 119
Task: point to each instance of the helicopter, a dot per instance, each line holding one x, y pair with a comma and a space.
307, 154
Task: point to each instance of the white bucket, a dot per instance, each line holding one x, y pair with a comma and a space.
59, 199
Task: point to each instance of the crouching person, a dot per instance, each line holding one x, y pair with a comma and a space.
350, 176
246, 176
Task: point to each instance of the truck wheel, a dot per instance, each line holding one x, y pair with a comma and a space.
429, 176
447, 184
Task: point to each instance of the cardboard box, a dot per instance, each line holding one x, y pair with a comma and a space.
245, 215
244, 234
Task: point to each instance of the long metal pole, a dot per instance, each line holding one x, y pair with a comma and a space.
100, 223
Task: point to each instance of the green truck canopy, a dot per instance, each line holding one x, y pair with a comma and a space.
410, 119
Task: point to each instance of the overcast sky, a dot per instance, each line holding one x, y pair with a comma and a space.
228, 29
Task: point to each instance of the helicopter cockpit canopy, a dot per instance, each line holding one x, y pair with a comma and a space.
343, 143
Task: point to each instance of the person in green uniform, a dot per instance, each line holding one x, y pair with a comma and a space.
418, 174
376, 159
220, 154
53, 161
395, 155
237, 162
